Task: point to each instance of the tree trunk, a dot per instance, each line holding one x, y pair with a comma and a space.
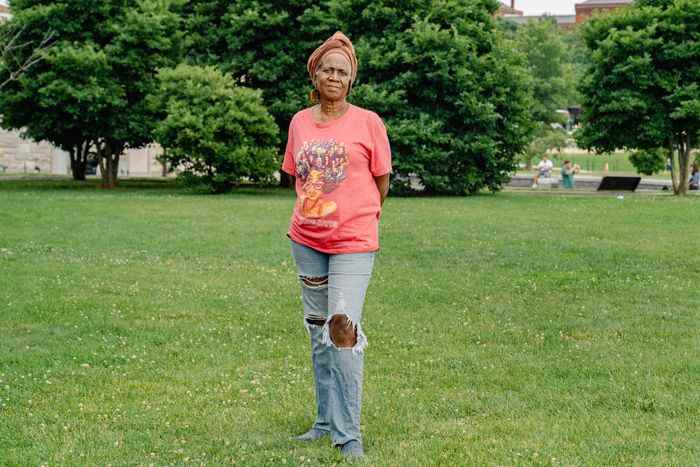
109, 153
163, 159
116, 154
78, 160
674, 171
683, 163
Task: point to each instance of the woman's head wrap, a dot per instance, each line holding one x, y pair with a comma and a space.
338, 42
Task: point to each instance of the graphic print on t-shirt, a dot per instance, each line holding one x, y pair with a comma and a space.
320, 165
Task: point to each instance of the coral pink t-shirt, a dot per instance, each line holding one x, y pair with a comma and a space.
338, 203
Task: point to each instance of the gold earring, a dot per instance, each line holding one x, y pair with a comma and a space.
314, 96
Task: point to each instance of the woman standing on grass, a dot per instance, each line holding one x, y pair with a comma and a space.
340, 156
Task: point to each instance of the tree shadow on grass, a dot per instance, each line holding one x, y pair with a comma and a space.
30, 183
141, 186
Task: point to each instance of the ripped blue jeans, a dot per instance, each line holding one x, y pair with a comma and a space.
335, 286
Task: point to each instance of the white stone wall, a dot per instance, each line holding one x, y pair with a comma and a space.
141, 162
19, 156
22, 156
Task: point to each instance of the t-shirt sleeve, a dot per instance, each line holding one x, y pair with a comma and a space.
288, 163
380, 164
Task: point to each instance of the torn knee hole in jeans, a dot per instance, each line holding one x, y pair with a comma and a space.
342, 332
314, 282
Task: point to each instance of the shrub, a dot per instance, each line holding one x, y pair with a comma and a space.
214, 130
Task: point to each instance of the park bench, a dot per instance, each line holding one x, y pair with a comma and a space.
619, 183
547, 183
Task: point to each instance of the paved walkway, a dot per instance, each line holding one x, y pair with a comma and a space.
587, 183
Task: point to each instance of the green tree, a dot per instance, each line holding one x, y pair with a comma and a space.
549, 61
88, 95
454, 95
577, 61
648, 162
218, 132
547, 58
262, 44
642, 90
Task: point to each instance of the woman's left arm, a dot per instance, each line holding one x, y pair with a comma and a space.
383, 186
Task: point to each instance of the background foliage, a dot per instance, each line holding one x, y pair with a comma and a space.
89, 95
214, 130
642, 90
455, 99
550, 55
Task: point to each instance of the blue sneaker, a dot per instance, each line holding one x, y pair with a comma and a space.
313, 434
352, 449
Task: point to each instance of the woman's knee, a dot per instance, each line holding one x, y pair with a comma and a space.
343, 332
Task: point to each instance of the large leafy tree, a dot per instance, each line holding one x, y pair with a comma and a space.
643, 87
454, 95
549, 63
89, 94
263, 44
542, 43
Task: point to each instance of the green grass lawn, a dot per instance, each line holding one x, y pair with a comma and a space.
589, 162
146, 325
594, 164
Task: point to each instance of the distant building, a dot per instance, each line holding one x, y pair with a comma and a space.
508, 10
4, 12
585, 9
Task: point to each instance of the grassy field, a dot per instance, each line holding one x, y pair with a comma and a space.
590, 162
148, 326
594, 165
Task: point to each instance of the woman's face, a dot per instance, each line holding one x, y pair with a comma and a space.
333, 77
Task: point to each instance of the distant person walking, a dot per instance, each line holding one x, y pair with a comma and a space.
340, 157
542, 170
694, 183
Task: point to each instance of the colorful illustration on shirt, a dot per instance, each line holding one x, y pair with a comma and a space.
320, 165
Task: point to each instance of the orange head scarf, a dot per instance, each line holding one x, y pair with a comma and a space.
338, 42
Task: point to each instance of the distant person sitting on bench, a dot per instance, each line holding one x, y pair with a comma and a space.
568, 171
694, 183
544, 170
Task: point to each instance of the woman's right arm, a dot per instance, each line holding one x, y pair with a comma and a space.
383, 186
